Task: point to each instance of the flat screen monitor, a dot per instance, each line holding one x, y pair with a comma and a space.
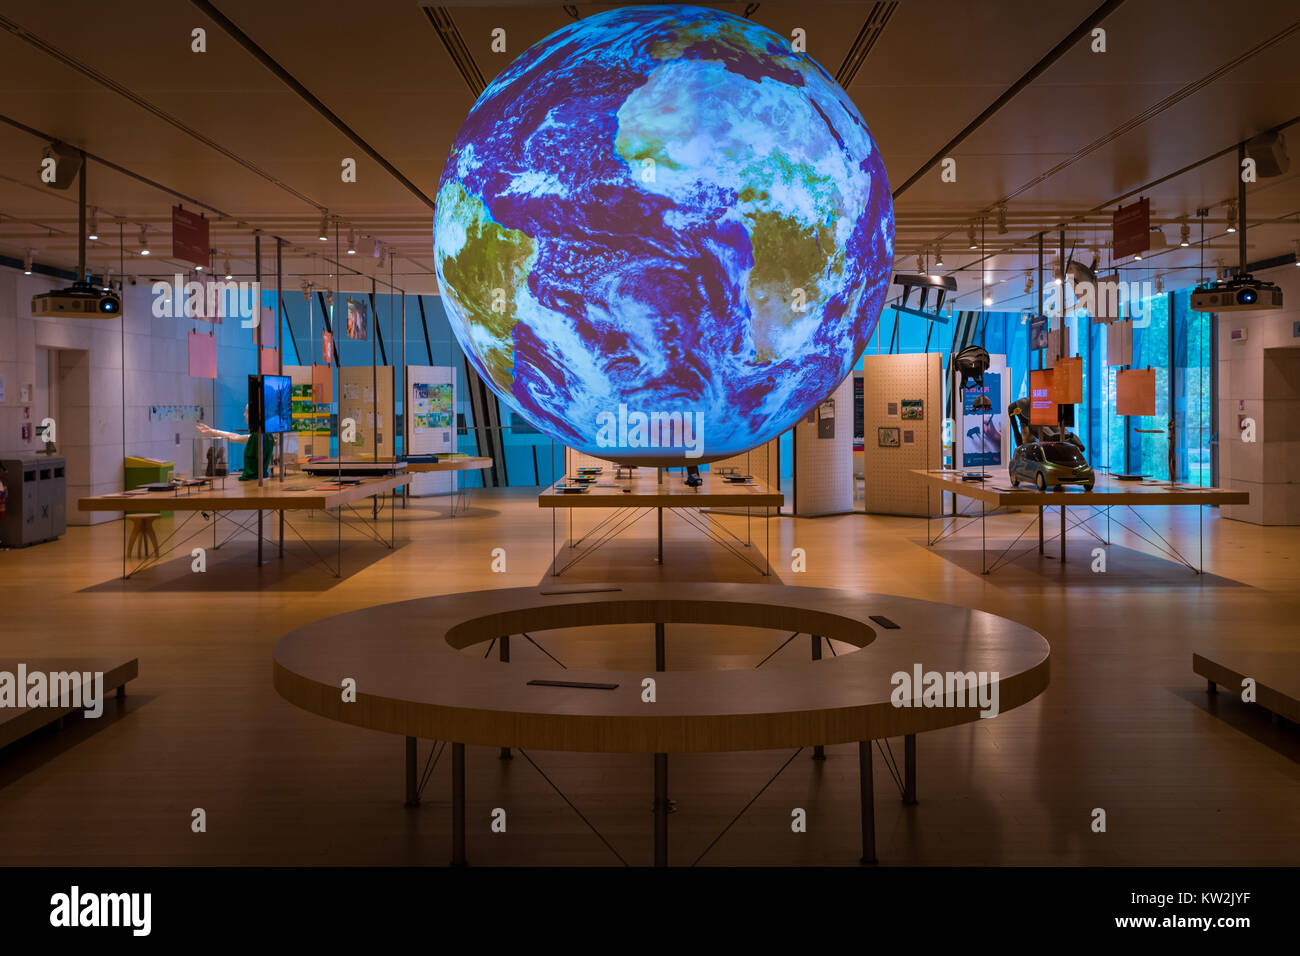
270, 403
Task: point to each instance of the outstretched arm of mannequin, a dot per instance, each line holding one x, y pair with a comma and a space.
218, 433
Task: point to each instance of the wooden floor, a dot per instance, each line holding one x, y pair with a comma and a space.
1125, 725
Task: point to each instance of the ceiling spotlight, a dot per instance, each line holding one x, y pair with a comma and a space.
1002, 219
27, 262
144, 240
920, 264
1137, 256
1160, 284
970, 237
93, 232
1232, 217
198, 268
1297, 253
1056, 275
323, 233
306, 289
383, 258
1029, 282
1185, 236
988, 300
374, 248
938, 257
352, 242
229, 274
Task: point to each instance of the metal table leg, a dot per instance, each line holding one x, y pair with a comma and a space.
412, 759
1062, 534
661, 809
458, 857
909, 769
505, 659
867, 797
819, 751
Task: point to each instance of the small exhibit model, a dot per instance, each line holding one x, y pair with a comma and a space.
639, 258
1050, 464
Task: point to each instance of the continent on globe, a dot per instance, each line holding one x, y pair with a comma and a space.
662, 235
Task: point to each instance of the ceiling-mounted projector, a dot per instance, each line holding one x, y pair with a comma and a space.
1241, 293
81, 300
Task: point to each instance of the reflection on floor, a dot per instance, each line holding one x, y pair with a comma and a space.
1124, 726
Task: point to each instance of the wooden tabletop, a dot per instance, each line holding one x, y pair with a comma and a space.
470, 463
646, 492
297, 493
412, 679
997, 490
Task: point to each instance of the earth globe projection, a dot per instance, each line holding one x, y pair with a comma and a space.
662, 236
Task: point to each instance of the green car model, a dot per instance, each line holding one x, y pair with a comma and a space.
1053, 463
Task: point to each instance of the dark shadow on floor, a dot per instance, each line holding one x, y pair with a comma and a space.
632, 556
233, 567
37, 749
1259, 724
1125, 567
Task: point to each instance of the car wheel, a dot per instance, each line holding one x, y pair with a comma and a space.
1040, 481
1088, 486
1015, 482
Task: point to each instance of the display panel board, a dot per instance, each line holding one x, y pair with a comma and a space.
1135, 392
430, 409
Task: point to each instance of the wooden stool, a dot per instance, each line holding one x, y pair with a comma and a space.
142, 531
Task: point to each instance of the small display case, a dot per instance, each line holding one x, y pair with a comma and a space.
211, 459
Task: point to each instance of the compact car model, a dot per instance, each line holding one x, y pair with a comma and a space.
1050, 464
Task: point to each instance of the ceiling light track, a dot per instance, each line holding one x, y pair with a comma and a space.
461, 57
865, 40
1078, 33
251, 47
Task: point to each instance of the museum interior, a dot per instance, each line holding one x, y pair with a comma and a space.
770, 434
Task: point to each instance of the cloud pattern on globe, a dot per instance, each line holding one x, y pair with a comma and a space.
660, 224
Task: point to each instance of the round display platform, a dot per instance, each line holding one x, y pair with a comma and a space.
412, 679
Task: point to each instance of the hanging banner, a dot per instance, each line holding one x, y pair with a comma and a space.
1042, 410
1131, 229
189, 237
327, 347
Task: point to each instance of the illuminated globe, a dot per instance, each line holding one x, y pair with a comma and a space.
662, 237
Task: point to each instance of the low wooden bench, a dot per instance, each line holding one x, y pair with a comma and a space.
19, 722
1276, 675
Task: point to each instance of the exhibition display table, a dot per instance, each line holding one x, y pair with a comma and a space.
411, 678
234, 497
996, 491
634, 497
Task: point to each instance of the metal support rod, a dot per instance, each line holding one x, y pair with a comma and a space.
661, 809
1062, 534
1040, 529
819, 751
659, 647
505, 659
909, 769
458, 805
660, 516
867, 797
412, 788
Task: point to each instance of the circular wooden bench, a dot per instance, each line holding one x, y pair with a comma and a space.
412, 679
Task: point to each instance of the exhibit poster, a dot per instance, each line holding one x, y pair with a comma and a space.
982, 429
358, 320
431, 406
913, 410
430, 412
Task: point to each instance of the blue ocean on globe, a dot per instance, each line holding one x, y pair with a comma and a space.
662, 236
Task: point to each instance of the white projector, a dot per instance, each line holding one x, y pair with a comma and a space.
1241, 293
81, 301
